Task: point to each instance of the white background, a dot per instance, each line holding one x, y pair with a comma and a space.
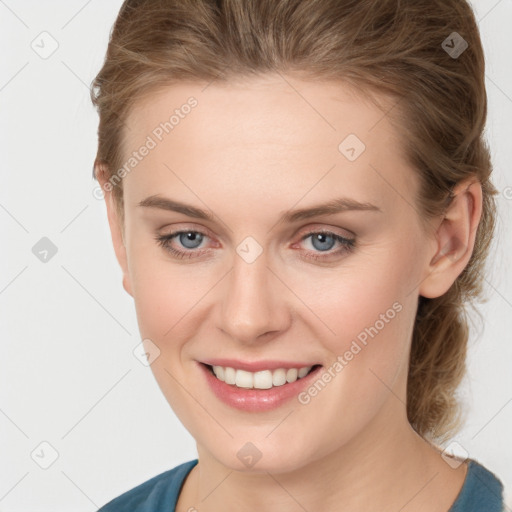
68, 374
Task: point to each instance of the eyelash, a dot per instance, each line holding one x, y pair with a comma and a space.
348, 244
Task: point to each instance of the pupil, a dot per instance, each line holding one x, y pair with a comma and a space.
190, 239
322, 239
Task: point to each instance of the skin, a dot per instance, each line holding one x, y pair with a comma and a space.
250, 151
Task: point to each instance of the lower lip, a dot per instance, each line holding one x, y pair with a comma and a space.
256, 400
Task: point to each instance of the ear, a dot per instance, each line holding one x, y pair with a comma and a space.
115, 223
454, 239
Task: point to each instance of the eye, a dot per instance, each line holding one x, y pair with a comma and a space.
189, 239
324, 241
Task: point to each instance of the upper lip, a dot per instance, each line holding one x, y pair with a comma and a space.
256, 366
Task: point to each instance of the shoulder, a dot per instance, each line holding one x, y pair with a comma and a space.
158, 493
482, 490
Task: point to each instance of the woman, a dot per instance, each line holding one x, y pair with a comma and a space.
300, 201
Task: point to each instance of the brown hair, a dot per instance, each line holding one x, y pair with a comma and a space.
400, 50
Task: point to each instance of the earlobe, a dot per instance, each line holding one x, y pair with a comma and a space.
454, 239
115, 223
126, 284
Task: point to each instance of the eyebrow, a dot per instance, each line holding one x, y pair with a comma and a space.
332, 207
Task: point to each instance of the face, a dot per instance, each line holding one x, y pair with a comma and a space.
266, 280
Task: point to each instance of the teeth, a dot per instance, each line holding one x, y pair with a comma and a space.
303, 372
264, 379
243, 379
278, 377
261, 380
229, 375
291, 375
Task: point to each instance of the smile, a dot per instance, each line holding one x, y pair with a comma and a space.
269, 385
264, 379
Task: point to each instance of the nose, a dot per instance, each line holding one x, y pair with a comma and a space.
254, 302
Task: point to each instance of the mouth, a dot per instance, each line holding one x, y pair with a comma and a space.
262, 379
270, 385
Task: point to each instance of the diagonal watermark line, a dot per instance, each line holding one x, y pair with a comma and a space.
14, 485
74, 218
498, 292
286, 491
14, 218
14, 423
13, 279
280, 423
14, 76
192, 307
506, 403
498, 87
118, 381
428, 482
301, 300
488, 12
390, 390
305, 194
79, 489
75, 74
199, 403
96, 300
227, 227
385, 114
217, 486
419, 283
306, 100
13, 13
75, 15
209, 83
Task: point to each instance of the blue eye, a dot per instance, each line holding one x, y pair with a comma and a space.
322, 242
325, 241
189, 240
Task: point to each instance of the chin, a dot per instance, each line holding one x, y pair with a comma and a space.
258, 457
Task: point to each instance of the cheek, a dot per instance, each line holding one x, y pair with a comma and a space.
358, 295
165, 296
367, 313
167, 305
172, 300
160, 294
372, 318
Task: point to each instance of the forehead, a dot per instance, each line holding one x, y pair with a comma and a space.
273, 129
273, 106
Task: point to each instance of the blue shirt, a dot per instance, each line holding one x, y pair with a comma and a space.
482, 491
